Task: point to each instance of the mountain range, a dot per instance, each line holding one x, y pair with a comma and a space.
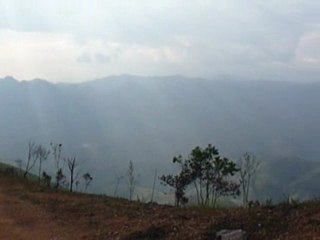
106, 123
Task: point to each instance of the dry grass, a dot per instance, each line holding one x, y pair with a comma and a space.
29, 211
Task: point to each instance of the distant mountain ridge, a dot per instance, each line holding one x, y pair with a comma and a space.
107, 122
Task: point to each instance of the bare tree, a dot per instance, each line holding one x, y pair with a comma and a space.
72, 165
56, 152
87, 180
46, 179
154, 184
32, 158
77, 185
60, 177
115, 193
248, 166
132, 180
43, 154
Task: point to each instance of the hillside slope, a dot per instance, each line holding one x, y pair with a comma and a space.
29, 211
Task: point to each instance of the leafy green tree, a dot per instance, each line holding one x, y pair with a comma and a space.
178, 182
211, 175
208, 172
201, 167
221, 184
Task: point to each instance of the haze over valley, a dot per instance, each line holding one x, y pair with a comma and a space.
106, 123
118, 81
169, 119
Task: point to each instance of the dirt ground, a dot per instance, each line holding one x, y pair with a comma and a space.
21, 219
29, 211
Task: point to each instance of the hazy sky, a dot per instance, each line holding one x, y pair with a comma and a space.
77, 40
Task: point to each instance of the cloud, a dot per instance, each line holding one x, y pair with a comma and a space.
93, 58
60, 57
29, 55
101, 58
84, 58
308, 52
75, 41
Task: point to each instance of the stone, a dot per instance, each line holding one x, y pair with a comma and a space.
227, 234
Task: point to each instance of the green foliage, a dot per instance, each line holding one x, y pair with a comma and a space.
209, 173
179, 182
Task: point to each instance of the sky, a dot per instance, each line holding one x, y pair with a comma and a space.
79, 40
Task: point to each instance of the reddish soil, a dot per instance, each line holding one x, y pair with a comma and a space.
21, 219
29, 211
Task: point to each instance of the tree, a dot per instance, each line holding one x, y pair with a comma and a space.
43, 154
77, 185
72, 165
59, 178
46, 179
201, 167
248, 166
87, 180
178, 182
32, 158
209, 173
132, 179
154, 184
56, 152
119, 178
221, 184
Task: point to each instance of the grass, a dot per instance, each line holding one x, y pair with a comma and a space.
9, 170
116, 218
